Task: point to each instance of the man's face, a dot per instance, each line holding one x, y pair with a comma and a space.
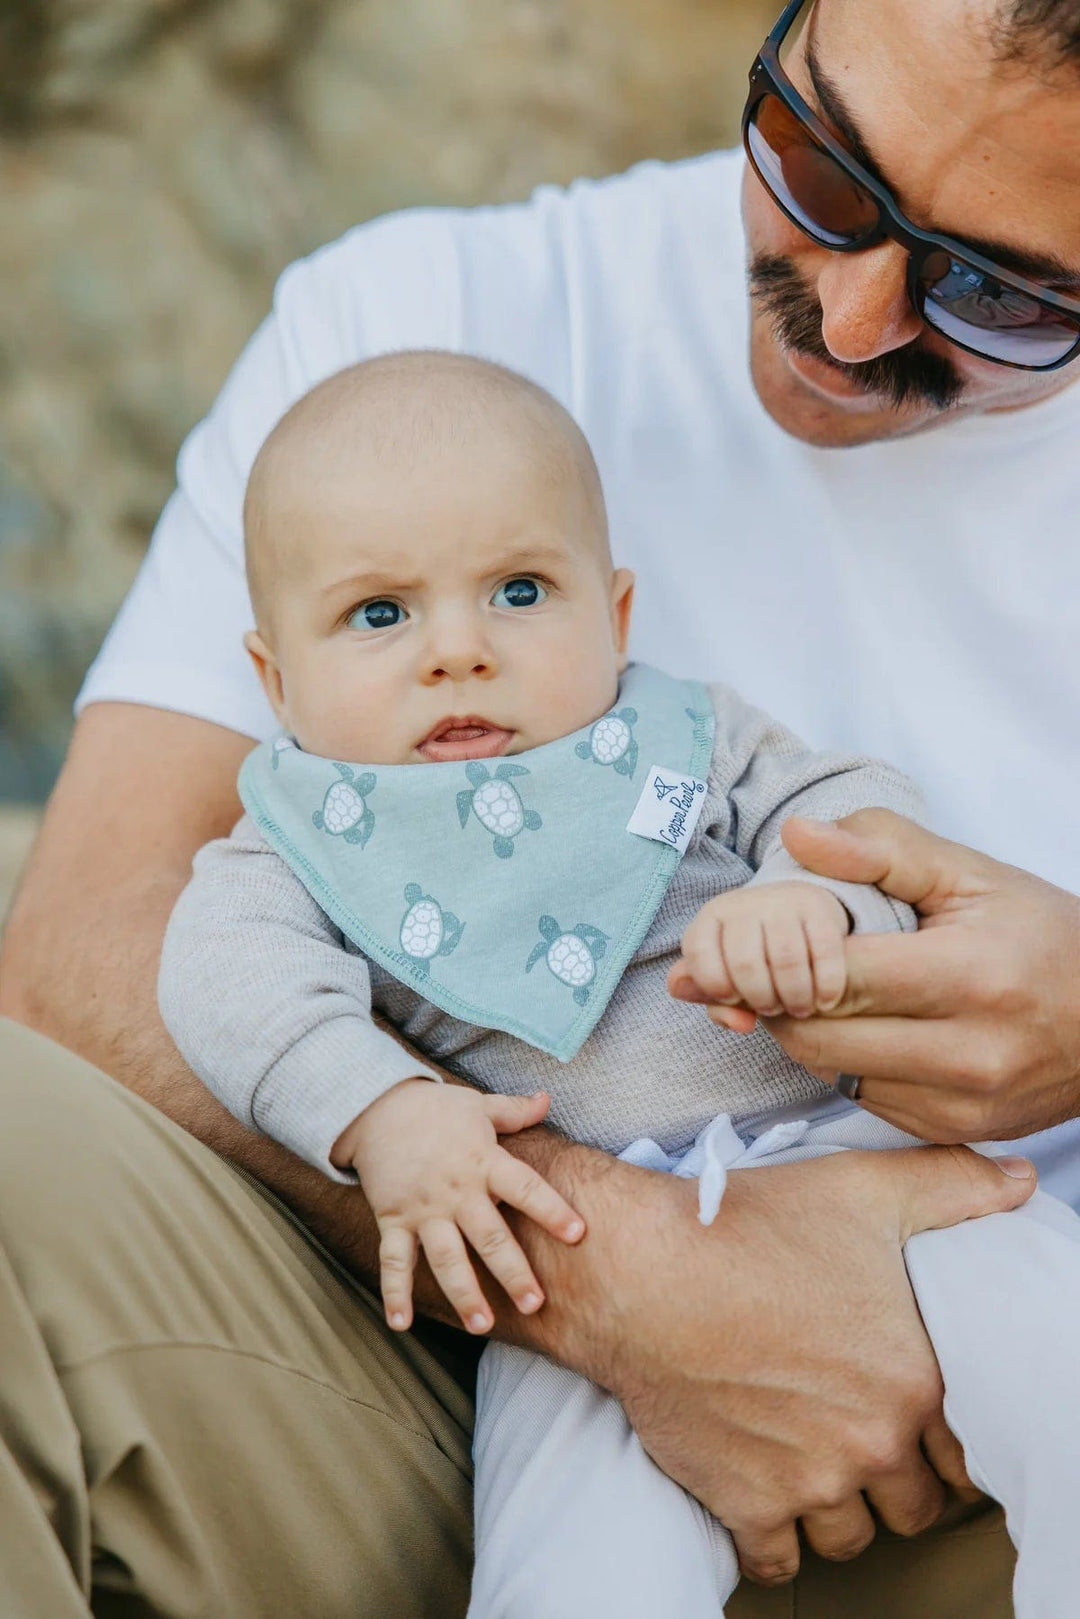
968, 146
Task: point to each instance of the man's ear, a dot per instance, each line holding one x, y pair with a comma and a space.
622, 601
269, 673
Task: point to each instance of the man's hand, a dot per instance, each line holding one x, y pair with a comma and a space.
775, 1364
968, 1030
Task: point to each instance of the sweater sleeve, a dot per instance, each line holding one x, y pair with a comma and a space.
268, 1006
770, 774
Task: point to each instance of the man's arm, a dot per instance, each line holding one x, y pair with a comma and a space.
142, 789
677, 1321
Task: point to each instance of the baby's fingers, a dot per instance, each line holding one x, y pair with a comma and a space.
510, 1113
829, 964
515, 1183
787, 951
397, 1263
450, 1264
702, 962
493, 1240
747, 961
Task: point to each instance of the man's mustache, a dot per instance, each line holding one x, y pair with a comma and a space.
905, 376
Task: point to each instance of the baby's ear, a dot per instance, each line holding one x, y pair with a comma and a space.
622, 602
268, 671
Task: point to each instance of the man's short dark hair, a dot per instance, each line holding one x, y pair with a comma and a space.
1043, 31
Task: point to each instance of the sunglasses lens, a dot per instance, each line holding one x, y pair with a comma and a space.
977, 311
806, 180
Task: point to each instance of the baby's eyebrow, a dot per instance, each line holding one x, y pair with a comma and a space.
527, 555
366, 584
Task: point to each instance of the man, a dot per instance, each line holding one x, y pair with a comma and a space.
200, 1412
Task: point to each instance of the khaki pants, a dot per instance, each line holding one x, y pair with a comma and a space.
202, 1417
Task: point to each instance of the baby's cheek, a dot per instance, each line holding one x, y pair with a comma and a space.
344, 712
578, 683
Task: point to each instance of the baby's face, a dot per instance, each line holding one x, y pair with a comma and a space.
467, 611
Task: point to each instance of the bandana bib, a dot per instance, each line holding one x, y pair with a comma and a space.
511, 893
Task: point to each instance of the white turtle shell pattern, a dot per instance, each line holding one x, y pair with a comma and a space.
342, 808
422, 930
610, 739
498, 807
570, 959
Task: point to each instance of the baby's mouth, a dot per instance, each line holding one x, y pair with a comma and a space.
464, 737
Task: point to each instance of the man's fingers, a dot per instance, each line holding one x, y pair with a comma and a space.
948, 1117
511, 1113
941, 1186
769, 1557
909, 1501
515, 1183
933, 1116
945, 1454
906, 974
875, 1047
878, 846
489, 1234
397, 1262
451, 1267
840, 1533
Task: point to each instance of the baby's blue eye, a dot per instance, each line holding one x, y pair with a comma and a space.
377, 615
524, 592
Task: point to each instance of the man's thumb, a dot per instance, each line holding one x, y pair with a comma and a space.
880, 847
940, 1186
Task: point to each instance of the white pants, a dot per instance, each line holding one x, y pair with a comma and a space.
573, 1519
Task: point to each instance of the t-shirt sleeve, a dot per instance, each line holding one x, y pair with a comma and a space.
177, 640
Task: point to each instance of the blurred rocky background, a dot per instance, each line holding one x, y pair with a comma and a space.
162, 160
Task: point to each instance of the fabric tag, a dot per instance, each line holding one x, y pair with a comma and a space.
668, 808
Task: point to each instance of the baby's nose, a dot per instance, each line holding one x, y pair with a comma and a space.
458, 653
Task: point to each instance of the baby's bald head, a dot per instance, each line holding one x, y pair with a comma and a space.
383, 425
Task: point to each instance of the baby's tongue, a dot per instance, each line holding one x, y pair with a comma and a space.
466, 742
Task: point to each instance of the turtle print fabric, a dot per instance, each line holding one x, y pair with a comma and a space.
497, 805
509, 893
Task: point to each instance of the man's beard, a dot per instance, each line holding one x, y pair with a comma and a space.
905, 376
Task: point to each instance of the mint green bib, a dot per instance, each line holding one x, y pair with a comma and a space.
512, 893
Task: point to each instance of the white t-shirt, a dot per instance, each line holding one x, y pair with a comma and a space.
918, 599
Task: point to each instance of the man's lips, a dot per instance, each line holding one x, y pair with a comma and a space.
464, 736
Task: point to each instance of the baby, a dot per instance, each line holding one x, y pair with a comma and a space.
484, 826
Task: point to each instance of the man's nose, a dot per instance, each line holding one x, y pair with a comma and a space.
865, 307
457, 649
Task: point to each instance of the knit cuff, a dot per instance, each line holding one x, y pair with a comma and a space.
324, 1081
870, 910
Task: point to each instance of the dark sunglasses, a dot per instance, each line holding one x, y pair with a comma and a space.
968, 299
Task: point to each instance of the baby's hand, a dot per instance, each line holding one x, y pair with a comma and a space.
773, 948
432, 1169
